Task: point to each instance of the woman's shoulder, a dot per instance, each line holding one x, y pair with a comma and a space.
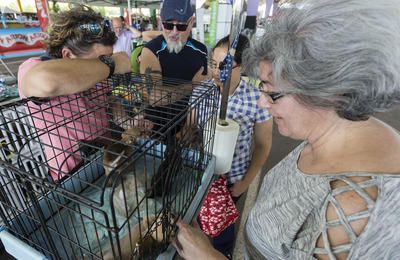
23, 69
248, 91
29, 63
379, 148
371, 147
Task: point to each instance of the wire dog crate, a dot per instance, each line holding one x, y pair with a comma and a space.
106, 173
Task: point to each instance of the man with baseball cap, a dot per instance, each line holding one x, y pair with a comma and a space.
174, 53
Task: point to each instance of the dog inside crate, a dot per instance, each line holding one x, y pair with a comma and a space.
152, 163
143, 111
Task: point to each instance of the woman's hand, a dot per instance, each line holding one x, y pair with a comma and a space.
192, 243
200, 76
238, 188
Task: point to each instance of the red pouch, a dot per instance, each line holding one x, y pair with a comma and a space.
218, 210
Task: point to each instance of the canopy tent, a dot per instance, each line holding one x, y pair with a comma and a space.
8, 10
119, 3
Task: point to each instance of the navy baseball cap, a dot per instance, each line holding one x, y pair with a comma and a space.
180, 10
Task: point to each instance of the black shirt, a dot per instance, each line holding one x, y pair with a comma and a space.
183, 65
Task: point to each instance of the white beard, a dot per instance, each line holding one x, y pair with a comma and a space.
174, 46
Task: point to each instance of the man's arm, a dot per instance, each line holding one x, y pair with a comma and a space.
149, 60
136, 33
68, 76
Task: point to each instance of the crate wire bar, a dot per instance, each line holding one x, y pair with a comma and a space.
106, 173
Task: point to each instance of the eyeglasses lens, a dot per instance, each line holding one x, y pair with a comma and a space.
276, 95
94, 29
214, 65
106, 26
179, 26
273, 95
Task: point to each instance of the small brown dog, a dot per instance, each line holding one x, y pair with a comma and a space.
116, 153
143, 238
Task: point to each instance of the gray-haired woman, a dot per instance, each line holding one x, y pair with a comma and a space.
326, 67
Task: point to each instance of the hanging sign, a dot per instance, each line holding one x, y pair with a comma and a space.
42, 13
19, 41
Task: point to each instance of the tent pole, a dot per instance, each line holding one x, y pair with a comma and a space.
129, 13
238, 18
19, 5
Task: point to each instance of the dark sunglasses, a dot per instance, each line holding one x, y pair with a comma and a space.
273, 95
95, 29
179, 26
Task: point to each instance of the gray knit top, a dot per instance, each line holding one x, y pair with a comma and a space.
289, 215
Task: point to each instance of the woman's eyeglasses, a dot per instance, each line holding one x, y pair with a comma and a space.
179, 26
273, 95
220, 65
